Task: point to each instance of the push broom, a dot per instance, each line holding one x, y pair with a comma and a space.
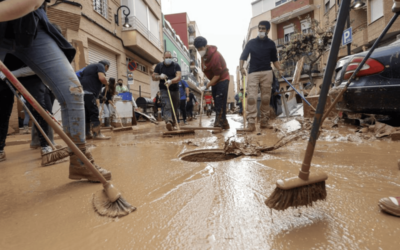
244, 108
308, 188
57, 153
107, 202
122, 128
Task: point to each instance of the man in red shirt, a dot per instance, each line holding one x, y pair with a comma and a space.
214, 67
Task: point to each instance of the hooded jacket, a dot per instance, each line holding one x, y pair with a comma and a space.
213, 64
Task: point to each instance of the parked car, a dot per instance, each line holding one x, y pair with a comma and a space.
376, 89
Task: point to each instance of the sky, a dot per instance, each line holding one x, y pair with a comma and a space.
223, 23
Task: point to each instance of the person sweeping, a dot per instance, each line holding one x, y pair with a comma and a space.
168, 73
214, 67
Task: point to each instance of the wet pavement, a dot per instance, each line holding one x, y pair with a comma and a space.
194, 205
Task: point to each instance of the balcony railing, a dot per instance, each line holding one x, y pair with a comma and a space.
191, 40
137, 25
281, 41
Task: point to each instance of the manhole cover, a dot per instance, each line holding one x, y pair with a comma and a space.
207, 155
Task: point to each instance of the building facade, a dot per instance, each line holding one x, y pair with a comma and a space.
91, 27
290, 17
187, 31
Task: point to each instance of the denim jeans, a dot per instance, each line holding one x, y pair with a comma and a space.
48, 61
220, 95
168, 114
26, 118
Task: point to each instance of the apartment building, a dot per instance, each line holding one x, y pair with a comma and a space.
118, 30
287, 17
187, 31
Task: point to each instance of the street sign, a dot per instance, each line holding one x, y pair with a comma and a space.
132, 66
347, 36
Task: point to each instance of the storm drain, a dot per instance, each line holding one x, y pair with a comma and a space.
208, 155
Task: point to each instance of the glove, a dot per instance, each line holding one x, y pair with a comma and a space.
168, 83
163, 76
203, 88
2, 76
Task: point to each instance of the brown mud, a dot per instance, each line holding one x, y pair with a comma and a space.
203, 205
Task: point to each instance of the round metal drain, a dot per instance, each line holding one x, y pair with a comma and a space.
206, 155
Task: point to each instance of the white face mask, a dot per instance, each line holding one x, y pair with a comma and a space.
261, 34
168, 61
202, 53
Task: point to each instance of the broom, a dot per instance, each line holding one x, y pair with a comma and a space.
57, 153
244, 108
122, 128
306, 189
107, 202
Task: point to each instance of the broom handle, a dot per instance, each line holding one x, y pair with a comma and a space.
201, 107
330, 67
173, 109
50, 121
396, 15
31, 116
244, 102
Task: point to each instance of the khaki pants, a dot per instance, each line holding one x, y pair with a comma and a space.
258, 80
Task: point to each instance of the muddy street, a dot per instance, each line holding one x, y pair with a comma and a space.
202, 205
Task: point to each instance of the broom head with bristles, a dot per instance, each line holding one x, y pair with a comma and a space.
109, 202
295, 192
121, 129
55, 156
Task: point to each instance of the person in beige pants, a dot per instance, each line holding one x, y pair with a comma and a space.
263, 52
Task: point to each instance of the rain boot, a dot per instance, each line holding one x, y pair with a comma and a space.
217, 122
2, 155
78, 170
97, 135
225, 124
251, 127
89, 134
264, 124
107, 122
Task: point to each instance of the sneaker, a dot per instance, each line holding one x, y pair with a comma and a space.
168, 126
185, 122
97, 135
46, 150
2, 155
390, 205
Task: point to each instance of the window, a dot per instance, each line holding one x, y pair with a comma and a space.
279, 2
305, 26
376, 7
327, 5
288, 31
141, 68
101, 7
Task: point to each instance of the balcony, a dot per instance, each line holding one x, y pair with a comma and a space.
291, 10
191, 40
281, 41
67, 16
142, 41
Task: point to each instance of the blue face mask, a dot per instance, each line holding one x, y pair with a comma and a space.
168, 61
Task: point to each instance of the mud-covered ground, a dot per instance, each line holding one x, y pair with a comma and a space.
195, 205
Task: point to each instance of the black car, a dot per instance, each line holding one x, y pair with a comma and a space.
376, 89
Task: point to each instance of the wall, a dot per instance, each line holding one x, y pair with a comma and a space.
288, 7
179, 24
296, 21
170, 46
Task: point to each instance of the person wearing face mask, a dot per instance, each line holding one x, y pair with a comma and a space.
263, 52
214, 67
121, 88
169, 74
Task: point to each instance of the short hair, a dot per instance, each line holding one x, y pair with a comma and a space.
167, 52
120, 79
105, 62
200, 42
266, 24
